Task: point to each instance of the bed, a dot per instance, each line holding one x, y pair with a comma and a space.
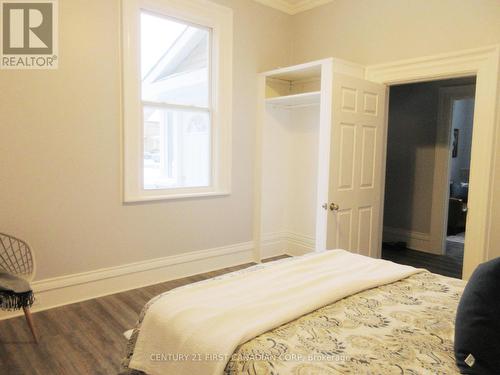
402, 326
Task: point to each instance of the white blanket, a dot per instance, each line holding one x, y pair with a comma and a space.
195, 330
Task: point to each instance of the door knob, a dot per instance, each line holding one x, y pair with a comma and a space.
334, 207
325, 206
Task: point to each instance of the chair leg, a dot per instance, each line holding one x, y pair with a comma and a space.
29, 320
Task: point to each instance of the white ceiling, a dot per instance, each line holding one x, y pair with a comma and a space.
293, 6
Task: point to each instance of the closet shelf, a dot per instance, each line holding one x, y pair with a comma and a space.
296, 100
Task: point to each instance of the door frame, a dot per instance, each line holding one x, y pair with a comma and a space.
484, 63
442, 161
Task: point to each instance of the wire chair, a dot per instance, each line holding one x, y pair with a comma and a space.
17, 259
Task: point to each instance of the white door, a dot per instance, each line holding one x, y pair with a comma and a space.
357, 170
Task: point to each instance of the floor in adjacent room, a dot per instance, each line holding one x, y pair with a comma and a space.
84, 338
449, 264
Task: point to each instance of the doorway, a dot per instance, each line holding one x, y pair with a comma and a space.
428, 164
458, 111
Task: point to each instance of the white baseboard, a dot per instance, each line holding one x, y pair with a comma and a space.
64, 290
272, 245
414, 240
279, 243
299, 244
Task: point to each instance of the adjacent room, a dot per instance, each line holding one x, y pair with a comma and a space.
427, 174
236, 187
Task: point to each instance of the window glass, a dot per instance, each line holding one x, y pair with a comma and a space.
176, 148
174, 61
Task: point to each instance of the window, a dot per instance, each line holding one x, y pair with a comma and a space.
175, 87
177, 99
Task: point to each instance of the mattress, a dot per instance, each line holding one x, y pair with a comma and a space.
403, 327
406, 327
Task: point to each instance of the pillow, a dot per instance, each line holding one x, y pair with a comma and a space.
15, 292
477, 325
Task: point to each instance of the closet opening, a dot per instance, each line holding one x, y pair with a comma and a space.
429, 140
290, 143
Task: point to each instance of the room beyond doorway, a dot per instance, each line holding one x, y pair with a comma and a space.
428, 166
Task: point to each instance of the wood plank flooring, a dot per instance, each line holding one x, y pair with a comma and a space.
449, 264
84, 338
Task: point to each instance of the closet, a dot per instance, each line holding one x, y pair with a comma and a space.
316, 154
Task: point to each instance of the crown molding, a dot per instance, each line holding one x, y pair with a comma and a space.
289, 8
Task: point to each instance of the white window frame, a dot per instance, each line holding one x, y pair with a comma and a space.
199, 12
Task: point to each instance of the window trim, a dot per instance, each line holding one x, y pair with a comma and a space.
198, 12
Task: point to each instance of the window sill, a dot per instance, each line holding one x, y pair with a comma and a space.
138, 199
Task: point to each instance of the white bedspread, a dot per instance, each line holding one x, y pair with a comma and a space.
196, 329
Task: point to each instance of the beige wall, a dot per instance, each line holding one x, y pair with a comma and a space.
60, 155
377, 31
60, 130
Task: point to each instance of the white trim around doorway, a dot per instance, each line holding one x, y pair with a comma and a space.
484, 63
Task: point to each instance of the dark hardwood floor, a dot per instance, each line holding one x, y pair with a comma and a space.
83, 338
87, 337
449, 264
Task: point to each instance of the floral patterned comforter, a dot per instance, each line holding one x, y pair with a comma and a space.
406, 327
